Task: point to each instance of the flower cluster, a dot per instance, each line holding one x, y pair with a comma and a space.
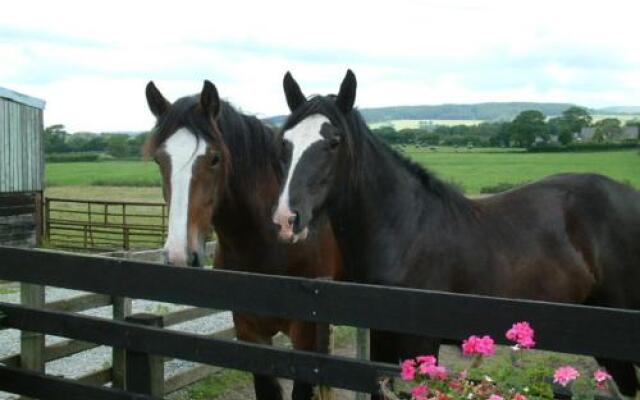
522, 334
428, 380
482, 346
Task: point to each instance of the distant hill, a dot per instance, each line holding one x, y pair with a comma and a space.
618, 110
481, 111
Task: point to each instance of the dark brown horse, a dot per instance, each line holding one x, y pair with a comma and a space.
221, 171
567, 238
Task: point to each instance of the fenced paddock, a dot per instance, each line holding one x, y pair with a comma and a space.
101, 226
560, 327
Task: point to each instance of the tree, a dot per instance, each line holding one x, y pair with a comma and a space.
560, 127
607, 129
576, 118
117, 145
528, 126
55, 137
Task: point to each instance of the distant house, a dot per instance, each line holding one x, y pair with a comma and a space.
586, 134
629, 132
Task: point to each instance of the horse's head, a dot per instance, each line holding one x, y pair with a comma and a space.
187, 146
315, 139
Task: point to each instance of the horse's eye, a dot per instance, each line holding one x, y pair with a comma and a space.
334, 142
215, 160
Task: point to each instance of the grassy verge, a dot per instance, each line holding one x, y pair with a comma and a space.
218, 384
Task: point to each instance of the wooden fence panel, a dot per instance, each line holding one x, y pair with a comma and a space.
47, 387
561, 327
310, 367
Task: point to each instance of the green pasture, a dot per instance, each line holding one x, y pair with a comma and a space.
478, 168
472, 169
103, 173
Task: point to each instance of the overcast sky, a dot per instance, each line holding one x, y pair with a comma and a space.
90, 60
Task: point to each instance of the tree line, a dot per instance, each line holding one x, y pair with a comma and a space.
527, 128
58, 141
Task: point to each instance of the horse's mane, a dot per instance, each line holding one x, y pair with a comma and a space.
249, 144
358, 135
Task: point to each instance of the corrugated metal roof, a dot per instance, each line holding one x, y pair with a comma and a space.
22, 98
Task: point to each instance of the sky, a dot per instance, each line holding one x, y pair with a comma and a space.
91, 60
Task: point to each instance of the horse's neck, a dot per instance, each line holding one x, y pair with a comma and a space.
381, 215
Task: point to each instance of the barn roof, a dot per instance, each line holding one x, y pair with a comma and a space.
22, 98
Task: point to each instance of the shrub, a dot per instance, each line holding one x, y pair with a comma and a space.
129, 182
84, 156
583, 146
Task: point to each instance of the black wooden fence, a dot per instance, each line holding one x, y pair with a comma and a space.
560, 327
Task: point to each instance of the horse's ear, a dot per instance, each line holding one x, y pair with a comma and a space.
347, 95
295, 97
157, 103
209, 99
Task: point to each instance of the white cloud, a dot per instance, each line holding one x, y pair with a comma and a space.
90, 61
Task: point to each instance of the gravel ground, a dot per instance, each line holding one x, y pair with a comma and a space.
100, 357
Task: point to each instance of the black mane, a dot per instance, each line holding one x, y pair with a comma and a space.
358, 134
250, 144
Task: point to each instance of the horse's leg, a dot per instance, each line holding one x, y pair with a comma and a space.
624, 376
247, 329
309, 337
393, 348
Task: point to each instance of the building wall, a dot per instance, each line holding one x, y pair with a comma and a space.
20, 219
21, 148
21, 172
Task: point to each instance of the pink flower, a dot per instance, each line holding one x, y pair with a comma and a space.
408, 370
522, 333
434, 371
601, 378
462, 375
426, 364
419, 391
519, 396
495, 397
566, 374
427, 359
478, 345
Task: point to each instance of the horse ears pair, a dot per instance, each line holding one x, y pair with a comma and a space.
345, 99
209, 100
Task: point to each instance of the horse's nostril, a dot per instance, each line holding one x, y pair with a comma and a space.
293, 219
194, 260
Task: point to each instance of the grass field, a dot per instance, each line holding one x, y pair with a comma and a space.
470, 169
473, 170
107, 173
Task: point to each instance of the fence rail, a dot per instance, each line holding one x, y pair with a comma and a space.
101, 226
567, 328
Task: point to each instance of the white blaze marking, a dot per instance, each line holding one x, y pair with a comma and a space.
183, 149
301, 137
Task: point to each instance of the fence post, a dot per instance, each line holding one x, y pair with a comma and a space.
145, 372
121, 310
362, 353
47, 220
32, 343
